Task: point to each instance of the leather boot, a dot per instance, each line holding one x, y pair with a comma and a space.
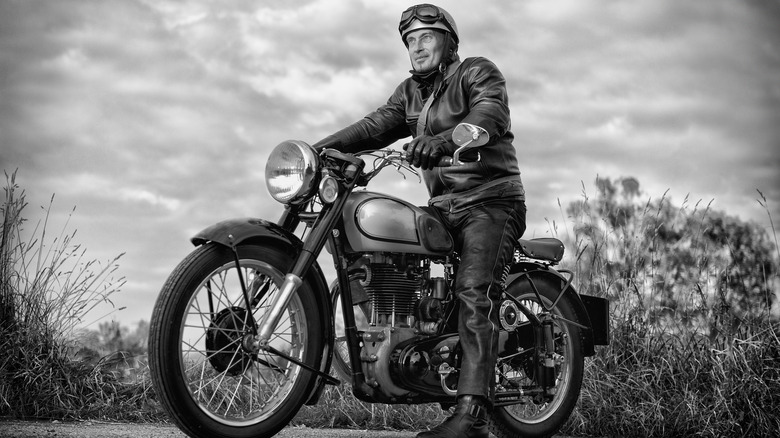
468, 421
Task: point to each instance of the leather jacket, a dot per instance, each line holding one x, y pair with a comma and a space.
475, 93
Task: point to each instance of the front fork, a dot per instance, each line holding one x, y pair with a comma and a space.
326, 220
312, 246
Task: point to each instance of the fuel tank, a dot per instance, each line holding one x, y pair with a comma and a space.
379, 222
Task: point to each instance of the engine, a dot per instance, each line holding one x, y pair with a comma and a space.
397, 290
393, 295
401, 351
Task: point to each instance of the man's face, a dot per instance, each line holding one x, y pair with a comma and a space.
425, 49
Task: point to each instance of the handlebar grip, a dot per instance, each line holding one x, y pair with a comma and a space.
444, 162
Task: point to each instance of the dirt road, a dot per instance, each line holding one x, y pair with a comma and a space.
91, 429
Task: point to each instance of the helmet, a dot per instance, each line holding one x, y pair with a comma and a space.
427, 16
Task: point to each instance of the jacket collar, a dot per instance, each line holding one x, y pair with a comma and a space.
428, 79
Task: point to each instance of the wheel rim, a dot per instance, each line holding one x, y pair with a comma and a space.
341, 362
532, 411
227, 380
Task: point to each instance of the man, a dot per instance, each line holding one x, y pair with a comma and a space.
481, 202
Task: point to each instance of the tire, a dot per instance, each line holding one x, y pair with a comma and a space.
207, 381
541, 417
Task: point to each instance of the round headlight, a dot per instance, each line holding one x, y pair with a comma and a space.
291, 172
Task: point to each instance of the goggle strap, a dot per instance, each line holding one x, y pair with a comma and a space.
417, 12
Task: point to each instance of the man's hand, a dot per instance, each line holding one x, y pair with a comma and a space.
425, 151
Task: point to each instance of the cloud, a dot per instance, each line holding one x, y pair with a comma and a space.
154, 117
671, 93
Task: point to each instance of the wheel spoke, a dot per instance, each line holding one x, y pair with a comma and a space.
517, 371
226, 380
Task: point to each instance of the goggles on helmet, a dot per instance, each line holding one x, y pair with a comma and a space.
428, 14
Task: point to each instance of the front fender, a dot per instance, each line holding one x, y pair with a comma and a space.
233, 232
246, 231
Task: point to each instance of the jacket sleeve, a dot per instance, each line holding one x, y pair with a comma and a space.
488, 100
376, 130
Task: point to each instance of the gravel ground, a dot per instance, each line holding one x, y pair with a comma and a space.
93, 429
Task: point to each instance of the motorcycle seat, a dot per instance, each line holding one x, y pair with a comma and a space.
545, 248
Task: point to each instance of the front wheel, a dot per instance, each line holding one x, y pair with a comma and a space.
535, 414
206, 373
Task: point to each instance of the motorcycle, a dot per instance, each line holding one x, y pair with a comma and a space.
246, 330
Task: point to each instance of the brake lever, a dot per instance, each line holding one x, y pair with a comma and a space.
389, 157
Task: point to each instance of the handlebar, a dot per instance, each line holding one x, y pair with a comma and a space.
398, 158
382, 158
466, 136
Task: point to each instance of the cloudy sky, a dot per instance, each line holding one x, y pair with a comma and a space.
153, 118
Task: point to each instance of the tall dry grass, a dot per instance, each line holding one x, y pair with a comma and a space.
695, 340
47, 287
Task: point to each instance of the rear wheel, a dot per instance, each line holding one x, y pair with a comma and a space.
209, 377
537, 414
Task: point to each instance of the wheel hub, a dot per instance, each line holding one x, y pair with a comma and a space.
509, 315
225, 341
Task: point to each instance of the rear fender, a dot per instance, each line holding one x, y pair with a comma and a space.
583, 312
245, 231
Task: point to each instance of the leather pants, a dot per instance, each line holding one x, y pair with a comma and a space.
485, 235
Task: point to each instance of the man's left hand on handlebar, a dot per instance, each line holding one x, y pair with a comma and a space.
425, 151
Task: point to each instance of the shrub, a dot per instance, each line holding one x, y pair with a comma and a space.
694, 346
